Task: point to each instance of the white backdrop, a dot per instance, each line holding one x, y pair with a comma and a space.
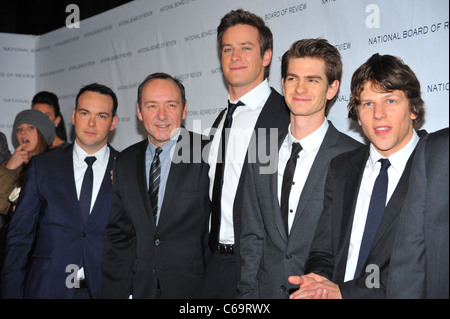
120, 47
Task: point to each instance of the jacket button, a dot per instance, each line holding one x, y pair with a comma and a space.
283, 288
84, 234
288, 256
157, 242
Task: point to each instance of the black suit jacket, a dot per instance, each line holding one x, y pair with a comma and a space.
274, 114
329, 250
137, 252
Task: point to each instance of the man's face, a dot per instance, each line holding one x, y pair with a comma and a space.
385, 118
162, 110
306, 88
242, 64
93, 120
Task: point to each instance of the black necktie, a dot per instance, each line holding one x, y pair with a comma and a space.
154, 180
288, 176
374, 215
218, 178
86, 188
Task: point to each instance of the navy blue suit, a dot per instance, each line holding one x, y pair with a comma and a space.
47, 232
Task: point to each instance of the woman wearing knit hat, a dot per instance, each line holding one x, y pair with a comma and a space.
33, 133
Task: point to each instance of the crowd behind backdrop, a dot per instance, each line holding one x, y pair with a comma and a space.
120, 47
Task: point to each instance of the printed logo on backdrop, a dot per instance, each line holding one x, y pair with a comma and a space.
157, 46
16, 75
98, 31
175, 5
116, 57
201, 35
285, 11
135, 18
437, 87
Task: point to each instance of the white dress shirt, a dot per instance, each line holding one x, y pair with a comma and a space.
398, 162
99, 168
242, 128
310, 147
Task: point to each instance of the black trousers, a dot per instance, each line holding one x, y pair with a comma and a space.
221, 278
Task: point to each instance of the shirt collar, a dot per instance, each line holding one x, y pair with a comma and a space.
312, 141
256, 97
399, 159
79, 154
166, 148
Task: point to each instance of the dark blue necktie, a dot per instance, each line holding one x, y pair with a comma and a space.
86, 188
288, 177
154, 181
218, 177
374, 215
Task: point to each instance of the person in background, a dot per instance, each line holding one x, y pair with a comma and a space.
33, 133
47, 103
282, 209
55, 238
245, 45
366, 188
5, 154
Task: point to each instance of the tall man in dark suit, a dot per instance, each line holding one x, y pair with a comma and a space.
55, 238
279, 224
365, 188
420, 263
156, 238
245, 44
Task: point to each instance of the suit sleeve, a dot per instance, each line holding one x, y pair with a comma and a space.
119, 248
21, 236
252, 238
321, 257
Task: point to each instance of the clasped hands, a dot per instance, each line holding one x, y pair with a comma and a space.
313, 286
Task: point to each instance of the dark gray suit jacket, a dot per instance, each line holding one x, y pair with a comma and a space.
420, 257
329, 249
268, 255
138, 253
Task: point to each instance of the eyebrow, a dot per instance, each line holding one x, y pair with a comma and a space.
239, 44
312, 76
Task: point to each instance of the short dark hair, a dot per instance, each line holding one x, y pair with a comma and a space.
162, 76
389, 73
102, 89
50, 98
241, 16
315, 48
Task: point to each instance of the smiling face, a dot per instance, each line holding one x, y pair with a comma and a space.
93, 120
306, 88
161, 110
242, 64
27, 134
385, 118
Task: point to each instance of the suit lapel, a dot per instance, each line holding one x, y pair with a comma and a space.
319, 167
353, 176
141, 178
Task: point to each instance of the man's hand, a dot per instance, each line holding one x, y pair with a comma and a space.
313, 286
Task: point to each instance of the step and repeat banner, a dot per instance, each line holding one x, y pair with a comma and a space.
120, 47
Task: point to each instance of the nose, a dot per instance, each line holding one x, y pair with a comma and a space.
379, 111
301, 87
91, 120
161, 114
235, 55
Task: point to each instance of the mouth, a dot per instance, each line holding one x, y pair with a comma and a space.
382, 130
26, 141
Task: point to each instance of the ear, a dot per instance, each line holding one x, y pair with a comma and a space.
73, 116
57, 120
184, 111
139, 114
332, 89
267, 57
114, 123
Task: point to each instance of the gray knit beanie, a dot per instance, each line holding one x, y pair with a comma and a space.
37, 119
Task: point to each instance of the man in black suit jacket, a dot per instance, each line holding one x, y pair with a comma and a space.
156, 238
387, 104
419, 261
53, 247
245, 44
